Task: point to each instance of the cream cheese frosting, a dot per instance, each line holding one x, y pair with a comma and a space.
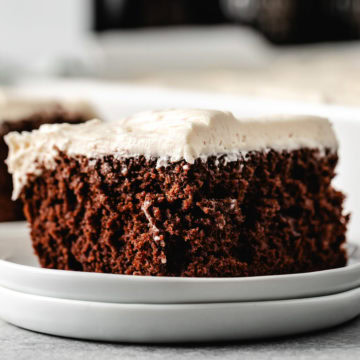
14, 107
168, 136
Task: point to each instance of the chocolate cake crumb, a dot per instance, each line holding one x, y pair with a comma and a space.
12, 210
269, 213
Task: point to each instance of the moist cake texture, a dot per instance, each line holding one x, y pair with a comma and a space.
25, 114
230, 197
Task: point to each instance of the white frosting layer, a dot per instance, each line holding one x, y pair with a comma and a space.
169, 135
14, 107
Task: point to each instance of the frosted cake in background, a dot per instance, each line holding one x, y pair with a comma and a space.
19, 113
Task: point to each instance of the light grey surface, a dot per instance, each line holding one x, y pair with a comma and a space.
339, 343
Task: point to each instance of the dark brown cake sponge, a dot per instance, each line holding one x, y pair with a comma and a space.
268, 213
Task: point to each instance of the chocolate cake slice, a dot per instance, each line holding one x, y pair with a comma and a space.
25, 114
182, 193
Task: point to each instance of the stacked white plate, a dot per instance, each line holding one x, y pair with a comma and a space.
163, 309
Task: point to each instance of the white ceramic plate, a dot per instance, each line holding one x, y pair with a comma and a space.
176, 322
19, 271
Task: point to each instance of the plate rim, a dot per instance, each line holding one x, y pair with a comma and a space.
135, 306
170, 323
153, 278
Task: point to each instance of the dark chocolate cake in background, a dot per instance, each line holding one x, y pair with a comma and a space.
18, 113
182, 193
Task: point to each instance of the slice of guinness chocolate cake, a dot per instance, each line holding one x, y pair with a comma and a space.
18, 113
182, 193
